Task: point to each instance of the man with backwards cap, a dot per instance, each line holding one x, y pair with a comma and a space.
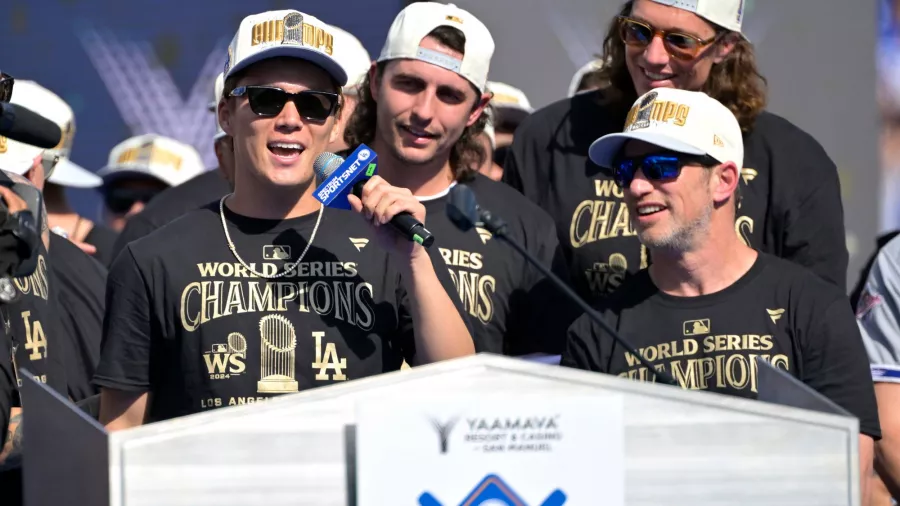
791, 204
709, 305
200, 190
77, 281
267, 292
421, 110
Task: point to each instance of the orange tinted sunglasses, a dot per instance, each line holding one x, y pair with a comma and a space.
679, 45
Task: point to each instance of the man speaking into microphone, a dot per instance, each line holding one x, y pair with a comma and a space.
421, 108
267, 291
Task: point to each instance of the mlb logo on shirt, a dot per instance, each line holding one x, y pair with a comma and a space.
275, 252
696, 327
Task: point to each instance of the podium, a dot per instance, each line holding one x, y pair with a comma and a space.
681, 447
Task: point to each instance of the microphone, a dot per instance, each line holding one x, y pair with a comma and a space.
464, 211
341, 177
22, 125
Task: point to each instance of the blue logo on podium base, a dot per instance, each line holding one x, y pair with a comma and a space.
493, 491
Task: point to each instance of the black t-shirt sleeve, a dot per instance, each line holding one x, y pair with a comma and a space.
127, 328
587, 345
522, 168
541, 316
813, 232
835, 364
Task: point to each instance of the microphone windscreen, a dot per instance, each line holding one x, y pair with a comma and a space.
325, 164
20, 124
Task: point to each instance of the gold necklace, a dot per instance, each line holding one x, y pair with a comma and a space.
234, 252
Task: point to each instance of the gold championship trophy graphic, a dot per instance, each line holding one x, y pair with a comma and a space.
278, 356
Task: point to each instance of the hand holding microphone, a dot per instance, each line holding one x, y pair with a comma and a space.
353, 184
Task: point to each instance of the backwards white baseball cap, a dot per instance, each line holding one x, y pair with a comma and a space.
155, 156
352, 55
418, 20
287, 33
57, 164
511, 103
683, 121
728, 14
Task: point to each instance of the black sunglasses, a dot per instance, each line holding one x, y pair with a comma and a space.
657, 167
6, 87
120, 200
269, 101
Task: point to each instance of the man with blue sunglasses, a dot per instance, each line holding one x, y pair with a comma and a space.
709, 305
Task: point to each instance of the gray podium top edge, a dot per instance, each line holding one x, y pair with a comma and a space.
487, 361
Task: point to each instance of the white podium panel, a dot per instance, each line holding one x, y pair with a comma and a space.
680, 447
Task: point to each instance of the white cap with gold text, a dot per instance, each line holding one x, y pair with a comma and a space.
418, 19
682, 121
287, 33
154, 156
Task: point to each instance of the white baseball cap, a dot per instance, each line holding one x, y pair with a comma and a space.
418, 20
155, 156
44, 102
510, 103
728, 14
683, 121
590, 66
284, 33
351, 54
218, 89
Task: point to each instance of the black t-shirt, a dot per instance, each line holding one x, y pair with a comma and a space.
513, 308
791, 203
778, 311
8, 385
172, 203
34, 326
104, 239
79, 283
188, 323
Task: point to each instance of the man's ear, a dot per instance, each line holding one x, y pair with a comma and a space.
482, 103
224, 113
725, 46
724, 184
374, 81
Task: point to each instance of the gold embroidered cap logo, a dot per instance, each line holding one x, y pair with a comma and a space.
3, 144
718, 141
455, 19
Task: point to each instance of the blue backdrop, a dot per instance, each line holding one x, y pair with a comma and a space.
138, 66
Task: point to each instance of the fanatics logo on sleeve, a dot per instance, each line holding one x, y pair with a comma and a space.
775, 314
359, 243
